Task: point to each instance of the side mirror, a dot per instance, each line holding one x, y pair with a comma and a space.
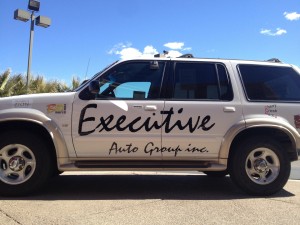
94, 87
83, 82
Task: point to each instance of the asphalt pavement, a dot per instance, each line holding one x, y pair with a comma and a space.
151, 198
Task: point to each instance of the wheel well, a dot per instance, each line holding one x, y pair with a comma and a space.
32, 127
276, 134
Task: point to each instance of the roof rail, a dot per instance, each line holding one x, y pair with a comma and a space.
274, 60
186, 56
165, 54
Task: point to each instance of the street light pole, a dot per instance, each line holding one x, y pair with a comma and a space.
30, 50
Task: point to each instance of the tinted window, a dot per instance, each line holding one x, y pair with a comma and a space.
132, 80
270, 83
207, 81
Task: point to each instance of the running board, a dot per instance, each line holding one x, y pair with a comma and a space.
142, 164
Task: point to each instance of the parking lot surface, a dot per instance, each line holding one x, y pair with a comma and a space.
150, 198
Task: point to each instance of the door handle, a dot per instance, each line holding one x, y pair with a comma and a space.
229, 109
150, 108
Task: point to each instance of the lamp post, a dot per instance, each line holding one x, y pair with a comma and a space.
24, 16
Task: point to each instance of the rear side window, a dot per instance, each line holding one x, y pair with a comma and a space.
270, 83
201, 81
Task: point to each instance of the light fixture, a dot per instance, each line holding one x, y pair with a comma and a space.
43, 21
34, 5
21, 15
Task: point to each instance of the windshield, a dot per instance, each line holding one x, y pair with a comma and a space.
97, 74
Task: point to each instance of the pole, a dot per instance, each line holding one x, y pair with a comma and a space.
30, 50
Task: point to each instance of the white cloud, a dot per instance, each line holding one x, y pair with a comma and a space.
174, 54
187, 49
125, 51
211, 50
129, 53
149, 50
119, 46
291, 16
278, 32
174, 45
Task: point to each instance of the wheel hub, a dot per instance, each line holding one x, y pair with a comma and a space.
260, 165
16, 163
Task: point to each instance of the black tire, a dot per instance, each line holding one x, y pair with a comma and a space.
56, 172
216, 174
259, 166
25, 163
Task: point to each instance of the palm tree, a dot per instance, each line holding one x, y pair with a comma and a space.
3, 81
75, 82
16, 85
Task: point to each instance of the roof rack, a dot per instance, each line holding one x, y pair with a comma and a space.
274, 60
186, 56
165, 53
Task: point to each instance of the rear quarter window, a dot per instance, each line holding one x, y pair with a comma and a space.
270, 83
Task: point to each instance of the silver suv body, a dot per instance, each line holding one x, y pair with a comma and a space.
218, 116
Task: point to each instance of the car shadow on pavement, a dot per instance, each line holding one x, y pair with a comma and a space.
118, 187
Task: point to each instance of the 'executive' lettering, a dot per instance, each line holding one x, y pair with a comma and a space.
120, 124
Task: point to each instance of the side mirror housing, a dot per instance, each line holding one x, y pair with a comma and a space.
94, 87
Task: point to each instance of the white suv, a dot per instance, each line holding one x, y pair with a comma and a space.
218, 116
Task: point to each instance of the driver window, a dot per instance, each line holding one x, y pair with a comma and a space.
133, 80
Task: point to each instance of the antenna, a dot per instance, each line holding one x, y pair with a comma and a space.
87, 68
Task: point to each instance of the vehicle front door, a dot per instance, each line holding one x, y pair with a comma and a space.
124, 116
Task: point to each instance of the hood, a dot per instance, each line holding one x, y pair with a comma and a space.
36, 101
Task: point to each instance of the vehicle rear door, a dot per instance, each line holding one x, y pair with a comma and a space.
200, 109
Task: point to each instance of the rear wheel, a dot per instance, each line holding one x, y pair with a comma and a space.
25, 163
260, 166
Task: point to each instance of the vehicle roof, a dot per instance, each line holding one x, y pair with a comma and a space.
273, 61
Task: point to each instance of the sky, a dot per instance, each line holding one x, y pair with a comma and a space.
85, 36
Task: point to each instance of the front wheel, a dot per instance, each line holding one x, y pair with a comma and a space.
25, 163
260, 166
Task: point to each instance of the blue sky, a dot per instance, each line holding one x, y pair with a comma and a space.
104, 31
